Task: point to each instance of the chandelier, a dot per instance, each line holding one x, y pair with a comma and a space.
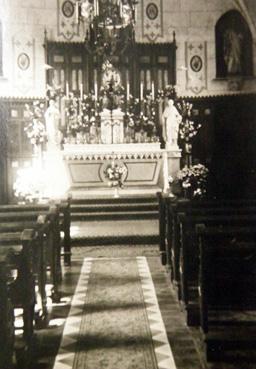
109, 25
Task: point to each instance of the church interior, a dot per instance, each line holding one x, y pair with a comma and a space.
127, 186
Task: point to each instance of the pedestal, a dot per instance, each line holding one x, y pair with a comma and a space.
174, 156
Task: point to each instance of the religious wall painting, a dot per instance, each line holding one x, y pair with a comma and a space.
196, 76
24, 66
233, 46
152, 19
67, 19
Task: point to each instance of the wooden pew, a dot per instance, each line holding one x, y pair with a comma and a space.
189, 255
175, 206
28, 258
162, 222
12, 214
227, 285
6, 316
48, 229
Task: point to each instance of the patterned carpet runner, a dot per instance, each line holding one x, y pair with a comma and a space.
114, 320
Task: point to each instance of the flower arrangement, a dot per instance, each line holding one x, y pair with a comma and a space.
187, 128
30, 184
115, 174
82, 118
193, 180
168, 91
112, 96
34, 127
141, 119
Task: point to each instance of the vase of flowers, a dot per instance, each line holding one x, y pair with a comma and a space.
188, 129
193, 181
115, 174
34, 126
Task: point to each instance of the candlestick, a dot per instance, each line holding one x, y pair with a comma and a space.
153, 90
141, 91
81, 91
121, 9
128, 91
77, 12
67, 90
94, 7
96, 91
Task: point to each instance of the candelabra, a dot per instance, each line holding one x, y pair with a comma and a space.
110, 25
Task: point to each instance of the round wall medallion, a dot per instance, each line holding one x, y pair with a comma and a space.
68, 8
196, 63
23, 61
152, 11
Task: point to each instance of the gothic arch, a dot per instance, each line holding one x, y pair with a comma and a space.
233, 40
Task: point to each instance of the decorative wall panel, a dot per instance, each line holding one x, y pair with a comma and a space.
152, 19
196, 66
24, 63
67, 19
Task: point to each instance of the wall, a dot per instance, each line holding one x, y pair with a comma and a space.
24, 23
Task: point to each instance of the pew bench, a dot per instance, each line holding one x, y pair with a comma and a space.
11, 216
227, 284
7, 334
189, 255
169, 207
18, 293
48, 231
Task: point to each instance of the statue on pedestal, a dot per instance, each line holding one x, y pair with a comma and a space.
171, 120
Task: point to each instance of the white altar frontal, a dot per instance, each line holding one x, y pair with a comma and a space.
146, 168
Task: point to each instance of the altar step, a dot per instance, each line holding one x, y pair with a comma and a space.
112, 209
107, 221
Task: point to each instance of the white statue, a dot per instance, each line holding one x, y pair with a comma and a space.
55, 171
52, 117
171, 120
233, 51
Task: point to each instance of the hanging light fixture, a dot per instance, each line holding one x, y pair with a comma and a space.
109, 23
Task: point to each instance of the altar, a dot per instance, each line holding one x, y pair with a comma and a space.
86, 165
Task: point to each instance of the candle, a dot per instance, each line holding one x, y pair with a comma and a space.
141, 91
67, 90
153, 90
77, 12
81, 91
97, 7
128, 91
96, 91
121, 9
94, 6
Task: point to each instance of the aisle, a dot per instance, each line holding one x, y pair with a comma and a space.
181, 342
115, 321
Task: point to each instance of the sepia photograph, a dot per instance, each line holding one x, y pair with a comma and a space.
127, 184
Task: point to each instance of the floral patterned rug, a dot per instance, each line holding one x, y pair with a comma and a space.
114, 320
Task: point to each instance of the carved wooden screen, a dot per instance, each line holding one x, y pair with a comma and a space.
70, 66
147, 63
155, 63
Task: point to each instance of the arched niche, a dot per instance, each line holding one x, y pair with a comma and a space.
233, 41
